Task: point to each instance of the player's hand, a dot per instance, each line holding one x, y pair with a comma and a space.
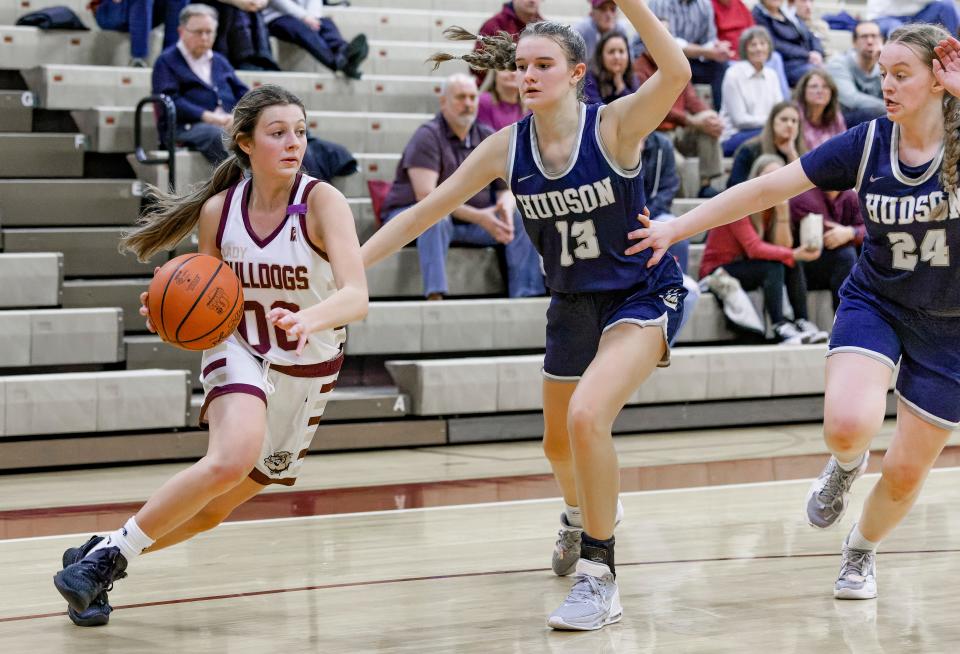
947, 67
294, 324
144, 304
655, 235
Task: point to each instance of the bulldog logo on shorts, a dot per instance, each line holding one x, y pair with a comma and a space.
278, 462
671, 298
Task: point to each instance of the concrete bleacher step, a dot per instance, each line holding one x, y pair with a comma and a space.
123, 293
16, 111
48, 337
148, 351
33, 279
513, 383
359, 403
192, 168
87, 251
386, 58
93, 402
41, 155
470, 271
62, 202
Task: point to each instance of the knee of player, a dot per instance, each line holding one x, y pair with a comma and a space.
225, 472
585, 422
903, 478
845, 432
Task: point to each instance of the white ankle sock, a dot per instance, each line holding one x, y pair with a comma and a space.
574, 517
129, 538
852, 465
855, 540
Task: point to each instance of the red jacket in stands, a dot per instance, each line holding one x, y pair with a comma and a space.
731, 17
688, 102
738, 241
504, 21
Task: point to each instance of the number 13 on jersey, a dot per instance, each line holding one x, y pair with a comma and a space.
584, 235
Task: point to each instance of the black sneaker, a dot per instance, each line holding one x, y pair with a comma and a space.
82, 582
98, 613
357, 50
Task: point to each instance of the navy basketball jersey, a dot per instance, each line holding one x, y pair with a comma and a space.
578, 218
909, 256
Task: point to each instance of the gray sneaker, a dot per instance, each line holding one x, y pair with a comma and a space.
858, 575
827, 498
593, 602
566, 552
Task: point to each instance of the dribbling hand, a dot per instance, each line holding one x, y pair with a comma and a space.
655, 235
143, 307
293, 323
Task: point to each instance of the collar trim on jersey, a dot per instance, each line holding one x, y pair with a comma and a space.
572, 161
932, 169
245, 201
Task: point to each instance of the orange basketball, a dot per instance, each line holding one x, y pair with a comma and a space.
195, 301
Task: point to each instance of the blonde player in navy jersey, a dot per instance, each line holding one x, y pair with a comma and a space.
900, 303
575, 171
293, 243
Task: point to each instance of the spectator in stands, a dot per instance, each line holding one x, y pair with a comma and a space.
731, 18
802, 10
694, 128
201, 82
891, 14
435, 151
242, 35
501, 105
780, 136
800, 49
857, 75
302, 23
660, 185
138, 17
750, 90
692, 25
603, 19
820, 116
843, 233
610, 74
511, 18
758, 251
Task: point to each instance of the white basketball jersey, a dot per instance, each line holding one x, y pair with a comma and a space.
281, 270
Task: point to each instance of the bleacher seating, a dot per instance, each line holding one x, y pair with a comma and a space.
465, 369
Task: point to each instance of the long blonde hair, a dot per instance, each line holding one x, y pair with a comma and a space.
922, 38
168, 219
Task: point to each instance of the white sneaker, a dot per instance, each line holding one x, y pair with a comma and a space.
593, 602
787, 334
810, 332
858, 574
828, 496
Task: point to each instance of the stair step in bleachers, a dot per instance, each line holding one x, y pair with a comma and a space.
41, 155
93, 402
148, 351
386, 58
395, 24
121, 293
63, 202
192, 168
513, 383
16, 111
62, 86
32, 279
48, 337
87, 251
470, 271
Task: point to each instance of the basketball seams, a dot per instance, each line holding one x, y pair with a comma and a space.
236, 298
193, 306
163, 297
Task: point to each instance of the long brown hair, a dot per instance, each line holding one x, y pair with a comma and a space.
604, 78
800, 96
767, 139
499, 51
922, 38
168, 219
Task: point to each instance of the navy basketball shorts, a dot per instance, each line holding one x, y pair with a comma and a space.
926, 347
295, 396
576, 321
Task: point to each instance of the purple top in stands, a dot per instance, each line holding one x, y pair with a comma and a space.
497, 115
435, 146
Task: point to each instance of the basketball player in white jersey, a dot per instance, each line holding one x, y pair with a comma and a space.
292, 242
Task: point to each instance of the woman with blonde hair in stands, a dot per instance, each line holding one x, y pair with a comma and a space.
575, 171
820, 116
901, 302
258, 208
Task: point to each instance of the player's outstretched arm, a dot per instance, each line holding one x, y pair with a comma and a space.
636, 115
485, 164
742, 200
947, 67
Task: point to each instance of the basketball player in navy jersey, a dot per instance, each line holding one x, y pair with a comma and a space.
900, 303
575, 172
292, 242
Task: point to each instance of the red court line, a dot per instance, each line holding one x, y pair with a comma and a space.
462, 575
